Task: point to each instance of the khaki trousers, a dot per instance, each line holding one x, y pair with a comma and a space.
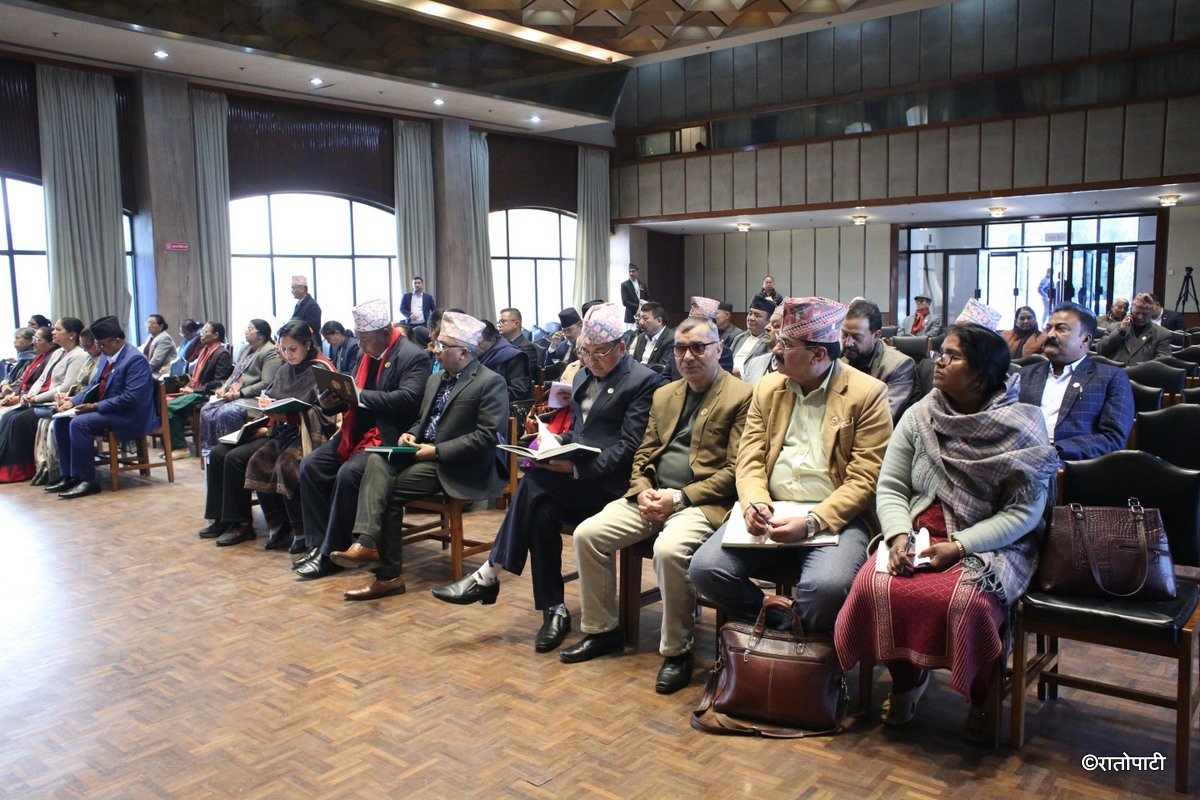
619, 525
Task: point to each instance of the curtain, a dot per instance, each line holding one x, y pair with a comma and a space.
416, 233
592, 226
77, 123
478, 297
210, 112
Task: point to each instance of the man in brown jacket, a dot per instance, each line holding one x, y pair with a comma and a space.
815, 436
681, 491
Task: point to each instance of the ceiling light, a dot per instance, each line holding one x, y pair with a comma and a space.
859, 219
1168, 200
437, 101
161, 54
535, 119
316, 81
743, 227
997, 211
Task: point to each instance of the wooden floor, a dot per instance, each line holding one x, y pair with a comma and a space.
137, 661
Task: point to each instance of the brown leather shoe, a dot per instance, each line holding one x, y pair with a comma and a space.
377, 589
356, 556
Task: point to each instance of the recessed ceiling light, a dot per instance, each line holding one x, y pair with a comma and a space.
535, 118
437, 101
859, 219
316, 81
1168, 200
743, 227
161, 54
997, 211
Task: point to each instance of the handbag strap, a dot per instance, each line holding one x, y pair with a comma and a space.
725, 725
1139, 521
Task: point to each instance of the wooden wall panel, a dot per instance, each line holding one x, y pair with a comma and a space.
674, 187
745, 179
877, 257
628, 185
1144, 123
1072, 22
1066, 148
1152, 22
820, 172
699, 184
770, 72
1182, 154
1035, 32
793, 180
757, 263
905, 69
672, 97
932, 154
1104, 147
649, 87
1032, 140
794, 51
847, 59
745, 77
721, 81
828, 249
721, 167
1000, 35
996, 141
714, 265
902, 165
935, 43
804, 262
1187, 20
693, 266
851, 262
873, 176
964, 159
768, 177
649, 187
966, 37
696, 99
735, 269
875, 54
1111, 25
820, 63
779, 260
845, 170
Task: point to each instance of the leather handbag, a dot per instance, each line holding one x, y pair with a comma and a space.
776, 684
1108, 552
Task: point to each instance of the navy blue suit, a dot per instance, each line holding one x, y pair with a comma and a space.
1097, 409
126, 408
545, 501
406, 307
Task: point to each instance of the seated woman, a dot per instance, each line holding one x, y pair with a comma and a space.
23, 344
45, 447
269, 461
41, 344
213, 365
253, 371
1024, 339
343, 347
972, 465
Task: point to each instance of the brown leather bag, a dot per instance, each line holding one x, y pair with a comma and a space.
1108, 552
777, 684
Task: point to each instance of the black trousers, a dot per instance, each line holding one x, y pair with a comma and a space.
226, 498
381, 498
544, 503
328, 496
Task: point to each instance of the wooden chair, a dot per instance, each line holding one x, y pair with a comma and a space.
447, 529
915, 347
118, 463
1163, 628
514, 467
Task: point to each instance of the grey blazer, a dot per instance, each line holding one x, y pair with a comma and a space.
259, 374
161, 352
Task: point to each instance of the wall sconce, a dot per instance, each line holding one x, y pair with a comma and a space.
997, 211
859, 219
1168, 200
743, 227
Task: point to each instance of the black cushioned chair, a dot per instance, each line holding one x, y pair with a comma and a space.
1166, 628
1172, 434
1189, 354
1104, 360
1146, 398
1032, 358
1171, 380
1191, 395
1192, 368
888, 331
915, 347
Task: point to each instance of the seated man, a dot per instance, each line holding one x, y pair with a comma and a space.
1135, 339
752, 341
765, 363
610, 404
863, 349
652, 345
464, 407
724, 320
682, 489
124, 404
923, 322
560, 347
1088, 406
391, 378
815, 434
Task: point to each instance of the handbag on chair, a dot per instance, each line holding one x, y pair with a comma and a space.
1106, 551
776, 684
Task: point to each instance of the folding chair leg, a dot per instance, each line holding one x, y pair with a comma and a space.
456, 543
143, 456
114, 459
1183, 711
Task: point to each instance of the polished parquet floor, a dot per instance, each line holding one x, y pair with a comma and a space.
137, 661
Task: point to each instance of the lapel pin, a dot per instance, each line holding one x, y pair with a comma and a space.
610, 391
387, 364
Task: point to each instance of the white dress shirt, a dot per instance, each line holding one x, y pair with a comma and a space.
1053, 394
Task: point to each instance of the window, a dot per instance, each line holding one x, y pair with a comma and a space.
345, 248
533, 262
25, 282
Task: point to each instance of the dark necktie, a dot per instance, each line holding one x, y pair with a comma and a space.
439, 405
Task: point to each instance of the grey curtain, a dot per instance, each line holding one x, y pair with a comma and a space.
210, 113
478, 297
416, 234
81, 174
592, 226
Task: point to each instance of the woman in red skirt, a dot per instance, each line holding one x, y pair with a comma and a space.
972, 465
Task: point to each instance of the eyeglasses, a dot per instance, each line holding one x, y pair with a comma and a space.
104, 342
785, 345
441, 346
938, 357
596, 353
696, 348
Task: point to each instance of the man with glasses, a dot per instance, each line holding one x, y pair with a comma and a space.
390, 377
509, 325
464, 407
815, 435
120, 399
609, 407
863, 349
1136, 339
682, 489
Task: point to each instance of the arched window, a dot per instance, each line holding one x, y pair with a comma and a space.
345, 248
533, 262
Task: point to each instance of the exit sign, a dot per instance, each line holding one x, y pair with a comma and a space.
177, 247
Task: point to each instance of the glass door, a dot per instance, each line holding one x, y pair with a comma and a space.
1003, 279
962, 282
1089, 282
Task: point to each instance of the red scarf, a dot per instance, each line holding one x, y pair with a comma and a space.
919, 322
31, 373
353, 441
201, 360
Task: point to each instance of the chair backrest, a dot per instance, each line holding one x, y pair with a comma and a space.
1189, 354
1191, 395
936, 342
1192, 369
1171, 434
1112, 479
1146, 398
1154, 373
1180, 339
915, 347
1032, 358
1103, 360
888, 331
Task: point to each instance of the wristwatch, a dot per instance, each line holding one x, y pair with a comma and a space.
811, 522
678, 499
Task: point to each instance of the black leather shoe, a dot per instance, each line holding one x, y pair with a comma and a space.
277, 537
594, 645
61, 485
41, 477
467, 591
236, 535
213, 531
81, 489
675, 673
298, 546
308, 556
317, 568
554, 630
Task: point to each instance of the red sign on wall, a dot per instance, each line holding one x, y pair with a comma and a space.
176, 247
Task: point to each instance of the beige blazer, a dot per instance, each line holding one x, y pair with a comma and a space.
858, 426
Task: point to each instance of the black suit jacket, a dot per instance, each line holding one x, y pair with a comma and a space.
1172, 320
394, 402
530, 350
308, 310
660, 355
632, 300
